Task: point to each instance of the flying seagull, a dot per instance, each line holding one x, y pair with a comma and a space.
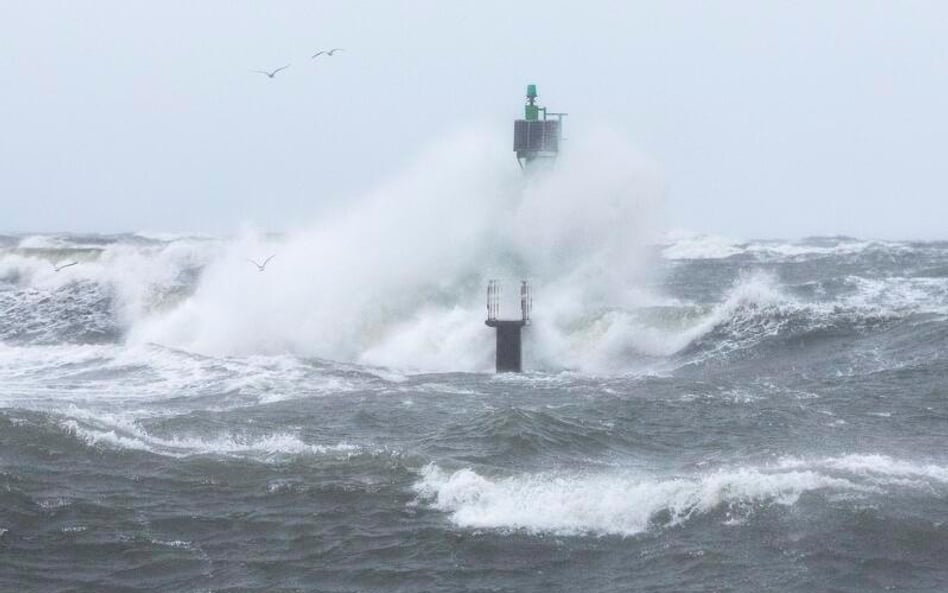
57, 268
271, 73
328, 52
263, 266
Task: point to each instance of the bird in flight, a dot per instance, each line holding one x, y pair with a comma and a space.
328, 52
64, 266
271, 73
263, 266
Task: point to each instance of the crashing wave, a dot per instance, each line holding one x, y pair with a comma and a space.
628, 503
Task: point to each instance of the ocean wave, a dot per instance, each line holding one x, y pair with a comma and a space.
876, 469
128, 435
62, 377
682, 245
113, 283
626, 503
595, 311
79, 313
518, 432
759, 310
690, 246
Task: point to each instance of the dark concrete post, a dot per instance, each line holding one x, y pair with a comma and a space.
509, 351
509, 357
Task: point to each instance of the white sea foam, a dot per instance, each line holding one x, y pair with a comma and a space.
49, 377
627, 503
51, 504
895, 294
169, 237
284, 486
796, 250
264, 447
685, 245
122, 431
43, 242
74, 529
878, 469
176, 543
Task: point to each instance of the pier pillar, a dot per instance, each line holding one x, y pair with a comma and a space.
509, 350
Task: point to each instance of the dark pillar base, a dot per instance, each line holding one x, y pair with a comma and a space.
509, 359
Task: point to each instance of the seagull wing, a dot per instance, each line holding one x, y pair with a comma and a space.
266, 261
280, 68
334, 50
254, 263
65, 266
317, 54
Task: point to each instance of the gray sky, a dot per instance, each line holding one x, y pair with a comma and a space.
767, 119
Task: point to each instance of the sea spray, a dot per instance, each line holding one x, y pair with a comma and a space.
397, 278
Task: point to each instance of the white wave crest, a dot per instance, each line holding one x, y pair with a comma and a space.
127, 434
34, 377
684, 245
745, 306
876, 469
627, 504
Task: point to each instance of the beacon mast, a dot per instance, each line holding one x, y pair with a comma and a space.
537, 139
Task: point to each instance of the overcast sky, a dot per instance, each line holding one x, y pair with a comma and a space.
766, 118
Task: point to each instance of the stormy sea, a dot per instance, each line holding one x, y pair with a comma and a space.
697, 413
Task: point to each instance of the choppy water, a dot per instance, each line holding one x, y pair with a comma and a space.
762, 416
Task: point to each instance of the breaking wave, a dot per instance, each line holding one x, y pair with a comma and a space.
628, 503
262, 447
124, 432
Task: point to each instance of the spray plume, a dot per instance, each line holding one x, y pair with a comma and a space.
397, 279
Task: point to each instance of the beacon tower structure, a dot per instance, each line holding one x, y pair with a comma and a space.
537, 139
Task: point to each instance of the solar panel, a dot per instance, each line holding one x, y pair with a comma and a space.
536, 136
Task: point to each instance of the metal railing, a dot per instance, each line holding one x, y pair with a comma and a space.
495, 296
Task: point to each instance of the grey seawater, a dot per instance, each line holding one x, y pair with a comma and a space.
797, 442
